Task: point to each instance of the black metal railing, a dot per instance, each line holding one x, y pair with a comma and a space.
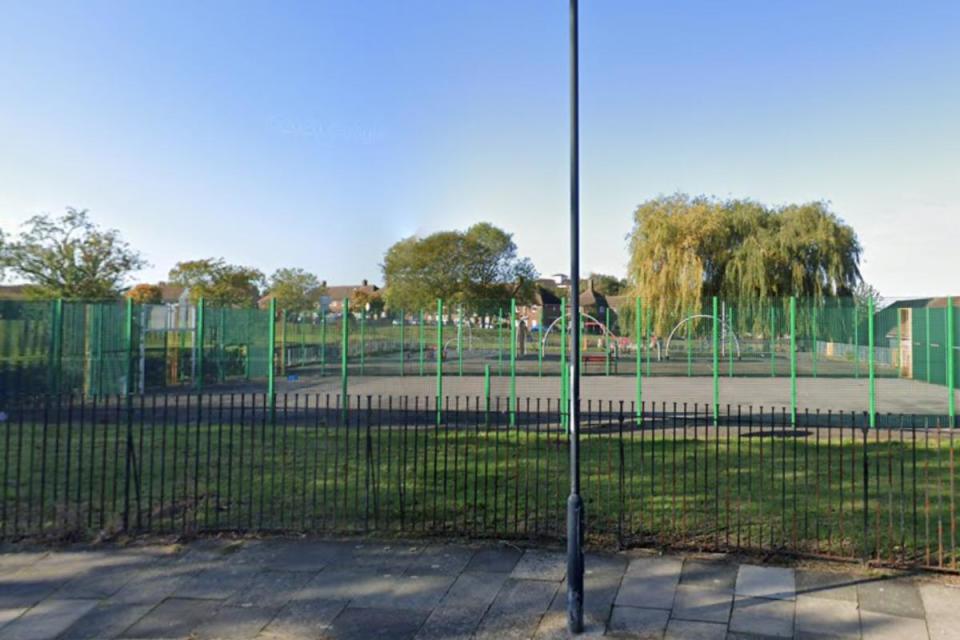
744, 478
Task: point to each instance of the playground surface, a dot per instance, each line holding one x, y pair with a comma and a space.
292, 588
893, 395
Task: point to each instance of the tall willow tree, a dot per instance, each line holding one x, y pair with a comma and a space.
685, 249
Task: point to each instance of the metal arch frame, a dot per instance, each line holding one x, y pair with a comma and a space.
666, 348
606, 329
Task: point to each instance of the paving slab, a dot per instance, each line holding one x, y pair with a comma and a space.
270, 589
826, 618
499, 560
394, 558
47, 620
22, 589
346, 584
218, 583
517, 609
474, 589
235, 623
766, 582
553, 626
100, 582
713, 575
703, 604
880, 626
635, 622
410, 592
942, 606
650, 583
9, 615
895, 597
763, 617
303, 620
105, 621
451, 622
355, 623
441, 559
173, 618
154, 584
690, 630
827, 585
307, 555
540, 565
12, 560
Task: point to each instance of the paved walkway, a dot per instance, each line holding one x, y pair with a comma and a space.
286, 589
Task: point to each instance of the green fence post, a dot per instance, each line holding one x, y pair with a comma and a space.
870, 365
773, 344
303, 341
793, 361
439, 358
638, 339
540, 344
344, 359
583, 344
606, 341
500, 342
271, 352
513, 362
56, 348
323, 343
486, 394
813, 330
856, 339
460, 340
646, 341
731, 341
283, 342
201, 306
128, 346
926, 322
716, 361
422, 339
363, 344
951, 363
221, 346
563, 362
403, 320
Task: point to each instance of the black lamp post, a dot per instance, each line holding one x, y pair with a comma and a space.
574, 502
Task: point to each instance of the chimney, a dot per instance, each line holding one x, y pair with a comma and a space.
363, 283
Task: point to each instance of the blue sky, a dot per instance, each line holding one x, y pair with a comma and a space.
316, 134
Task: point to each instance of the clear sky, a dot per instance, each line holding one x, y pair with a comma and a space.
316, 134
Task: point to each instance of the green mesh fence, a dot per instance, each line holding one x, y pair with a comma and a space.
799, 353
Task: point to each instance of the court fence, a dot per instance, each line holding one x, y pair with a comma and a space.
75, 467
101, 348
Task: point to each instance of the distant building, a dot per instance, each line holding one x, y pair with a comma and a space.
13, 292
332, 300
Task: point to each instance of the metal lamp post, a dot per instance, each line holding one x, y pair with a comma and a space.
574, 501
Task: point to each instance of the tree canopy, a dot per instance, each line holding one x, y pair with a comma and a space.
70, 257
478, 268
218, 283
295, 290
685, 249
146, 294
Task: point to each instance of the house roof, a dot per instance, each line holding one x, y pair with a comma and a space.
340, 292
13, 292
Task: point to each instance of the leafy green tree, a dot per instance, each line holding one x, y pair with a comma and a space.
146, 294
70, 257
295, 290
218, 283
372, 301
606, 284
478, 268
684, 250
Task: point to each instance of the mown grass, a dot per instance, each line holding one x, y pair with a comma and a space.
695, 486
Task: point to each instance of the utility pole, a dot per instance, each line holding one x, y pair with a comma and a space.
575, 516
